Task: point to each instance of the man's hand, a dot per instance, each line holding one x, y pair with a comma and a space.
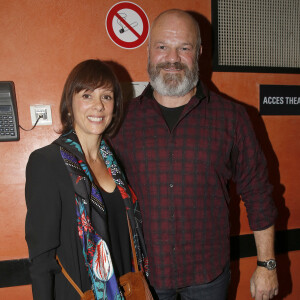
264, 284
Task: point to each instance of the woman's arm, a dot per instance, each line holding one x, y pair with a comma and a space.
42, 226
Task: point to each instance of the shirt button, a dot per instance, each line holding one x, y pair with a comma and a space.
174, 249
171, 185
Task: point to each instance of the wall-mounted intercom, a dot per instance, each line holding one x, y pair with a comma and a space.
9, 124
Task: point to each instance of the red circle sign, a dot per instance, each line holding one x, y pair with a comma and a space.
127, 25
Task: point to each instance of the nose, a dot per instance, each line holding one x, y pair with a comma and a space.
99, 106
173, 56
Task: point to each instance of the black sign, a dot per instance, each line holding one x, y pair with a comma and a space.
279, 100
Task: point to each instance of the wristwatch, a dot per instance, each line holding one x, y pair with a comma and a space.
269, 264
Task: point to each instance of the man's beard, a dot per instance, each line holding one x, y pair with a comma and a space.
170, 84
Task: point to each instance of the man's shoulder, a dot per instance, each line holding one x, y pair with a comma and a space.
135, 107
133, 102
134, 116
219, 101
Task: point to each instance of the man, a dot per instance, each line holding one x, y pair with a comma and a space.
180, 144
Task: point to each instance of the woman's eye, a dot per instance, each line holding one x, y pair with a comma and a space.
107, 97
86, 96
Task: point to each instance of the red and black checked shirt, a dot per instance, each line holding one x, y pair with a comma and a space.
181, 178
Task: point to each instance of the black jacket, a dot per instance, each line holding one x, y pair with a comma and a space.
51, 227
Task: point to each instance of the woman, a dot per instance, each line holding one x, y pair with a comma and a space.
77, 197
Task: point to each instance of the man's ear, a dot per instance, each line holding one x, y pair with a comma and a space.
200, 51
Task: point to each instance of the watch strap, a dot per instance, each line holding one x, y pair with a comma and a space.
262, 263
270, 264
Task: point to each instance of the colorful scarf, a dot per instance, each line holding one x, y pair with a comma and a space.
95, 245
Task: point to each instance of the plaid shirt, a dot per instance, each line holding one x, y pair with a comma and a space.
181, 180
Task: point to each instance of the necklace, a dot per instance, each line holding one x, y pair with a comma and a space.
94, 160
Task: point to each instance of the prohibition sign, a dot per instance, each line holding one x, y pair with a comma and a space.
127, 25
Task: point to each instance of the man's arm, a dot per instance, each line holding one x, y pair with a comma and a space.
264, 283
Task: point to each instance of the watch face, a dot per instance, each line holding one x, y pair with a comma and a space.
271, 264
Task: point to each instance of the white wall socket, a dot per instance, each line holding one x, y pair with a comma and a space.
41, 110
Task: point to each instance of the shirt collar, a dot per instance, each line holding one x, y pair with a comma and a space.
201, 92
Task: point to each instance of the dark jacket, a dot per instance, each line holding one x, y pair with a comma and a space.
51, 227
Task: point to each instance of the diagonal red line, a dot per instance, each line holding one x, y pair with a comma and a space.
127, 25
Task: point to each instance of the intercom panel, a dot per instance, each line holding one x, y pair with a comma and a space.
9, 124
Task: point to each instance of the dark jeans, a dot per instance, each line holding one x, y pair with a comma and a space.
214, 290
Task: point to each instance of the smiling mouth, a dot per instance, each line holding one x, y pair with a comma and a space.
172, 69
95, 119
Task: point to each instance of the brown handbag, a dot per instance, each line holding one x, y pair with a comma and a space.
87, 295
134, 284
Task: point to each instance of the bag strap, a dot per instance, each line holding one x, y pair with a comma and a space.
69, 278
135, 264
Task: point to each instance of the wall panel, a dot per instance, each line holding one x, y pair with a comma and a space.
42, 40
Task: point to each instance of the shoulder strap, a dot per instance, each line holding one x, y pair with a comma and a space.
135, 264
69, 278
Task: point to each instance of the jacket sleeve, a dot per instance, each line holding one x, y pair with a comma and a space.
251, 175
42, 227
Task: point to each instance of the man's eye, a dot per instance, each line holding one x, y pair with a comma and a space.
162, 47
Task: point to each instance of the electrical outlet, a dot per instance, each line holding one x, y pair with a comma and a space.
41, 110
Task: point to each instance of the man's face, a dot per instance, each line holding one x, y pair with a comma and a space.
172, 57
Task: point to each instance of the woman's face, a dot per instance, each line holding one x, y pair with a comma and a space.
93, 110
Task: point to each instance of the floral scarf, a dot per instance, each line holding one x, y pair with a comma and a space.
95, 244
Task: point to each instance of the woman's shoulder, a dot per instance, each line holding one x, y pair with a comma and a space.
48, 162
48, 154
47, 149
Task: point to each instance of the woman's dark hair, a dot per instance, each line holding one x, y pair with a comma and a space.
90, 75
